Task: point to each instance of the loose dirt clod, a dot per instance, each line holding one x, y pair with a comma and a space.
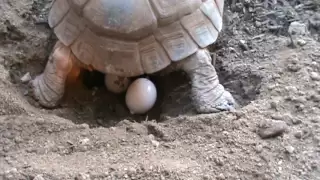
272, 128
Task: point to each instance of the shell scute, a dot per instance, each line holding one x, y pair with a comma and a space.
200, 28
153, 56
176, 41
69, 28
168, 11
58, 10
211, 10
129, 19
121, 58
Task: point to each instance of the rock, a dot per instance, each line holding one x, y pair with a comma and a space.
219, 161
294, 67
296, 121
243, 45
39, 177
259, 148
298, 134
274, 105
315, 120
301, 42
289, 149
137, 128
272, 128
154, 142
315, 76
26, 78
314, 21
84, 141
221, 176
297, 28
82, 176
84, 126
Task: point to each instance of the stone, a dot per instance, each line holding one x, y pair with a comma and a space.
314, 21
315, 76
82, 176
301, 42
39, 177
289, 149
26, 78
297, 28
272, 129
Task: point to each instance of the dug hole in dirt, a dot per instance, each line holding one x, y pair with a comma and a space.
268, 56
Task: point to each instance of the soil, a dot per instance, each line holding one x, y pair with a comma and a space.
268, 56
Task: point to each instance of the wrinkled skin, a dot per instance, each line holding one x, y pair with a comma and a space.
208, 95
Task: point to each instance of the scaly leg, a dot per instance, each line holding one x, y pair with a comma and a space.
208, 95
49, 87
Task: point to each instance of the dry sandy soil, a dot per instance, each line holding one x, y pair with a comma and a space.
272, 70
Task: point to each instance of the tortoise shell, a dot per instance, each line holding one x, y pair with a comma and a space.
134, 37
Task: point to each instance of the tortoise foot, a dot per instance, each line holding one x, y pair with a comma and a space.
43, 93
208, 95
48, 88
205, 104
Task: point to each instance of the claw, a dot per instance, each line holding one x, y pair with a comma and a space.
208, 95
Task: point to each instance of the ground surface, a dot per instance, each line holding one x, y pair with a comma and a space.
275, 135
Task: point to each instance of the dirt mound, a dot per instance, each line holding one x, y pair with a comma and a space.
268, 56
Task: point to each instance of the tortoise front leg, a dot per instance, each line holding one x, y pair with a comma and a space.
208, 95
49, 87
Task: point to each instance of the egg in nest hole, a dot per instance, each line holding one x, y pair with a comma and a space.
141, 96
116, 84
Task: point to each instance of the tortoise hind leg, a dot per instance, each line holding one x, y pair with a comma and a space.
208, 95
48, 88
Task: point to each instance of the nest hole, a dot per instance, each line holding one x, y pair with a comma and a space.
91, 103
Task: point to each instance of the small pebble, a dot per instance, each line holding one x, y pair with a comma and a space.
272, 128
297, 28
298, 134
315, 120
296, 121
82, 176
301, 42
155, 143
221, 177
259, 148
289, 149
315, 76
84, 126
299, 99
39, 177
84, 141
274, 105
219, 161
26, 78
243, 45
294, 67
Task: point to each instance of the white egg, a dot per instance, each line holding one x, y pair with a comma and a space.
141, 96
116, 84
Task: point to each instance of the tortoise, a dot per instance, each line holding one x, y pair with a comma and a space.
129, 38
